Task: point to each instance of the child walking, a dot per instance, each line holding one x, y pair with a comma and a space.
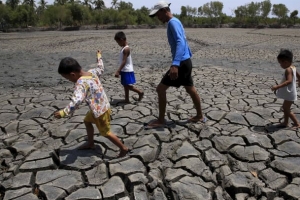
126, 68
88, 88
286, 90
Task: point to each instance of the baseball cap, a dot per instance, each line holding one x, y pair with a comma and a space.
158, 6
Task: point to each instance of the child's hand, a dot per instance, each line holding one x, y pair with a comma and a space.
117, 74
57, 115
274, 88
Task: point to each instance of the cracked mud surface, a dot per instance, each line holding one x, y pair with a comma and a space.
237, 154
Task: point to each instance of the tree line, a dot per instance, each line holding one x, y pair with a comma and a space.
14, 13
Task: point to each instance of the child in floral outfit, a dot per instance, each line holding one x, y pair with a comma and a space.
88, 88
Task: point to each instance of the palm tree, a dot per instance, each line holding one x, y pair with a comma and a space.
99, 4
60, 2
87, 3
42, 4
42, 7
13, 3
115, 4
30, 3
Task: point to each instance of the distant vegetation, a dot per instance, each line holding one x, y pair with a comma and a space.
16, 14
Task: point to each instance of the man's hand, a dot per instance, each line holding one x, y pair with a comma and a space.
173, 73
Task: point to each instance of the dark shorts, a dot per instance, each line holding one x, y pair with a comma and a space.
184, 75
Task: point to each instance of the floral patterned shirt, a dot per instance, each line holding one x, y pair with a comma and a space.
89, 89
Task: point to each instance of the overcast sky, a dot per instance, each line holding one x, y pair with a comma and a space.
229, 5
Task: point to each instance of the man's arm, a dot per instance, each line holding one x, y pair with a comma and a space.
179, 37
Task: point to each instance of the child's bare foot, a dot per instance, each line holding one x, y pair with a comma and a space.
123, 152
86, 146
141, 95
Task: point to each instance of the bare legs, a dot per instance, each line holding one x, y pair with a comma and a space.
191, 90
162, 103
112, 137
288, 114
90, 137
134, 89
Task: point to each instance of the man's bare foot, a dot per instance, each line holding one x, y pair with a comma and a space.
295, 126
123, 152
197, 119
155, 124
86, 146
141, 95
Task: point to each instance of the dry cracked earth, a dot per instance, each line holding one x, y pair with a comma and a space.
239, 153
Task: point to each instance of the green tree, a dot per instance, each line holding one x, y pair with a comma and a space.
191, 11
60, 2
97, 15
125, 18
99, 4
280, 10
42, 5
77, 13
4, 16
21, 16
241, 14
142, 16
265, 10
125, 6
115, 4
254, 11
200, 11
294, 15
13, 3
57, 15
110, 16
30, 6
87, 3
183, 12
213, 10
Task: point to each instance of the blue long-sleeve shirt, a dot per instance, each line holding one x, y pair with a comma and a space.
179, 46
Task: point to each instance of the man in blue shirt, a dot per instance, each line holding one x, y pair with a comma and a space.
180, 72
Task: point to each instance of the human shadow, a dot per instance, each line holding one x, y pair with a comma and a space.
168, 124
270, 128
70, 155
119, 102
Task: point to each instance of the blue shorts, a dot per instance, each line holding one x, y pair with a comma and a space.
127, 78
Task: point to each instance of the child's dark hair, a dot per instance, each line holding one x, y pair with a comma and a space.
285, 55
68, 65
120, 36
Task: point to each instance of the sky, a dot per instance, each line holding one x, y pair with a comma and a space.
229, 5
